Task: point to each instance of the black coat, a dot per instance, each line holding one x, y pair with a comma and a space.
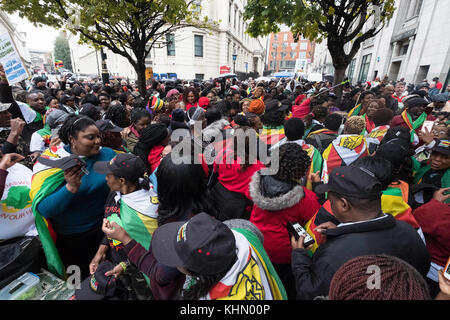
384, 236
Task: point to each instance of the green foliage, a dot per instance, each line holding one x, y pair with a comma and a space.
119, 25
314, 19
61, 51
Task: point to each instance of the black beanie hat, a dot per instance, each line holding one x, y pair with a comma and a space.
294, 129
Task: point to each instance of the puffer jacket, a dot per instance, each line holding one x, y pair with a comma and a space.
275, 204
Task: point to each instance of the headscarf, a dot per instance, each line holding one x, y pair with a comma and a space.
257, 106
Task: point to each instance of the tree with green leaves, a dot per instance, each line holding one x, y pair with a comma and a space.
130, 28
345, 24
61, 51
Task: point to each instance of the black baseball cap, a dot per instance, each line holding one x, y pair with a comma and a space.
98, 286
88, 109
124, 165
203, 245
107, 125
442, 146
64, 163
355, 182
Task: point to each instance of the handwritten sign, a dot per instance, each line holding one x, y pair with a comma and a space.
9, 57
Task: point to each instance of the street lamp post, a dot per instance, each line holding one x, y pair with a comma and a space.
105, 73
234, 62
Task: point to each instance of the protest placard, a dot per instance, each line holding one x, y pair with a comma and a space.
10, 59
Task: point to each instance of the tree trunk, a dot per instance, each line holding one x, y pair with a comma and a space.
141, 82
339, 75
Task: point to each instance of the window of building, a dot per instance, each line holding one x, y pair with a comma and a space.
289, 64
198, 42
294, 45
285, 36
283, 54
285, 45
364, 70
304, 46
351, 68
229, 12
170, 38
199, 76
302, 55
235, 17
293, 54
275, 37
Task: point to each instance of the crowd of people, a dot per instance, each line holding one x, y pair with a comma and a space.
168, 195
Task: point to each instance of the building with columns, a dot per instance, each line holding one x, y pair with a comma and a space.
413, 45
191, 53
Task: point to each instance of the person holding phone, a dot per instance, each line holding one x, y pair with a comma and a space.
363, 229
279, 199
71, 201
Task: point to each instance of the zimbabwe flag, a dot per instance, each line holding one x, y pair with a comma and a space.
253, 276
270, 136
343, 151
394, 201
45, 181
138, 216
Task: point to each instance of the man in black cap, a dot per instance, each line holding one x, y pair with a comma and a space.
355, 196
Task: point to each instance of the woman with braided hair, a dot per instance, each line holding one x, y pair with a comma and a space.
398, 280
278, 199
118, 114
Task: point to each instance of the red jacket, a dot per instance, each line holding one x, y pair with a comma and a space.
231, 176
272, 213
434, 219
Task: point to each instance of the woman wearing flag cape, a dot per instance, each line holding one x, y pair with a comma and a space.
68, 201
219, 263
132, 205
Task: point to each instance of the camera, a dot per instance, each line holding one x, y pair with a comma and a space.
296, 230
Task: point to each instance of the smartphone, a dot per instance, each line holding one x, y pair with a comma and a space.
296, 230
447, 270
427, 125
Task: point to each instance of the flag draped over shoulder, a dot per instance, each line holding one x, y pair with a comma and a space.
46, 134
44, 182
343, 151
252, 277
376, 135
395, 202
138, 215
